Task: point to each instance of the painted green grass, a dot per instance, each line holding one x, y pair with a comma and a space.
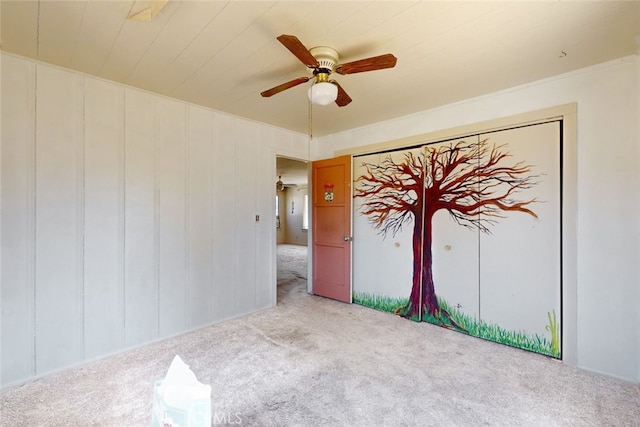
473, 327
378, 302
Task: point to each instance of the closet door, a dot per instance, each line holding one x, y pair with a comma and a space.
454, 238
520, 277
387, 230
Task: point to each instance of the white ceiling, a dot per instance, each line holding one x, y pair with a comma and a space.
222, 54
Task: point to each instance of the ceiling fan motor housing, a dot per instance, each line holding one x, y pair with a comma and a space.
327, 58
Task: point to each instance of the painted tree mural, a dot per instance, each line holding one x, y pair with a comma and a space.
473, 181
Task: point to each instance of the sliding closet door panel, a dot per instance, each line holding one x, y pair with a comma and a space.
224, 217
454, 238
141, 290
520, 257
18, 180
387, 231
455, 265
59, 219
104, 218
200, 228
245, 262
171, 184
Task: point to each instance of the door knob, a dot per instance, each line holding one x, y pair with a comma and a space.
346, 238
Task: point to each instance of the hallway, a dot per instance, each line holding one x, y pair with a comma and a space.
292, 261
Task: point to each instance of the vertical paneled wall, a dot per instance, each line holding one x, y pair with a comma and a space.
18, 220
140, 231
265, 240
245, 253
103, 217
126, 218
224, 218
59, 219
170, 181
199, 217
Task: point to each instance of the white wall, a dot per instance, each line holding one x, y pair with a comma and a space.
608, 196
290, 230
126, 217
295, 234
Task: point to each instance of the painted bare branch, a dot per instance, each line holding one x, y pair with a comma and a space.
470, 181
392, 192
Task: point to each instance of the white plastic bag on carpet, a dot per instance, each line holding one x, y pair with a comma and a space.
180, 400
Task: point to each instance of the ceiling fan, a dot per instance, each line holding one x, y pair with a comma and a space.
280, 186
323, 61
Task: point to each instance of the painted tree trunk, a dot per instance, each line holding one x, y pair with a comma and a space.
429, 300
423, 302
412, 311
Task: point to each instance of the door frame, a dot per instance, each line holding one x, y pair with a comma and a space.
274, 256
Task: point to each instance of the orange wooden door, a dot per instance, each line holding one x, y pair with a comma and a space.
331, 198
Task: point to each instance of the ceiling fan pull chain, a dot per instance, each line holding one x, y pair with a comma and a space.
310, 104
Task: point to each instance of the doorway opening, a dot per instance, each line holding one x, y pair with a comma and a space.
292, 224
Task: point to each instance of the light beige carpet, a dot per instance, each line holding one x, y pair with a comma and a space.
316, 362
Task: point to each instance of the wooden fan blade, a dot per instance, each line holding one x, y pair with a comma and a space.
342, 99
299, 50
284, 86
368, 64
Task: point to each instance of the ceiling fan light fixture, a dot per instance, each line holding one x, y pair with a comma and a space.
323, 60
323, 93
279, 184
